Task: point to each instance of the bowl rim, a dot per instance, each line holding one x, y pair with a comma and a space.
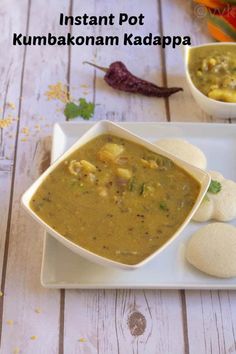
187, 50
105, 125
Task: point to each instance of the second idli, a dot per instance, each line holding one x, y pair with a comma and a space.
212, 250
184, 150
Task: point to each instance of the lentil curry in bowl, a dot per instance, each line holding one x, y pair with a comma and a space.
115, 198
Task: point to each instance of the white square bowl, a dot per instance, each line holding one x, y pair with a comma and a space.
106, 127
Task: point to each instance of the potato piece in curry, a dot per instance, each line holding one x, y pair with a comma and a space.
116, 198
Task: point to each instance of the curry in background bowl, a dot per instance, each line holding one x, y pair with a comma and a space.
211, 75
213, 71
116, 197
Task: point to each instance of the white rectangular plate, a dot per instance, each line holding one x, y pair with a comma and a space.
61, 268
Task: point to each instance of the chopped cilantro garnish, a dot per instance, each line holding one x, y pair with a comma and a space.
215, 187
163, 206
84, 109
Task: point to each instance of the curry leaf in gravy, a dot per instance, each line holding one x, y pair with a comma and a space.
142, 188
131, 185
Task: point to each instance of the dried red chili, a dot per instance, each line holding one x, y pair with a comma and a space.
120, 78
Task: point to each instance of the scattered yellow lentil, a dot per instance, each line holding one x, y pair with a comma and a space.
11, 105
16, 351
58, 92
24, 139
84, 86
25, 131
1, 293
82, 340
10, 322
33, 337
37, 310
59, 110
5, 123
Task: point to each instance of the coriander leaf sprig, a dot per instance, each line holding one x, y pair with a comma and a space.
79, 108
84, 109
215, 187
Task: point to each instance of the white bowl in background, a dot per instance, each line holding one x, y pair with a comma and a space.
104, 127
217, 109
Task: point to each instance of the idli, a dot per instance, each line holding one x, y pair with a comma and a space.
184, 150
218, 204
212, 249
